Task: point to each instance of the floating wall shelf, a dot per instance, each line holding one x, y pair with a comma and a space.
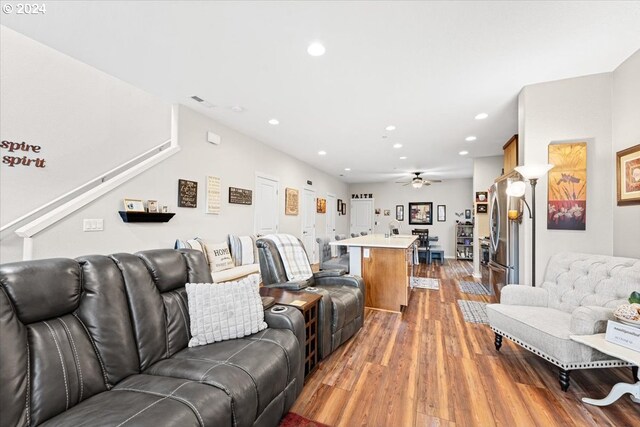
145, 216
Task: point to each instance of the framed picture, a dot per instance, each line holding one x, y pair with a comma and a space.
321, 205
481, 197
567, 186
339, 206
420, 213
133, 205
344, 209
482, 208
467, 214
187, 194
152, 206
387, 212
399, 212
442, 213
290, 201
628, 176
165, 209
377, 211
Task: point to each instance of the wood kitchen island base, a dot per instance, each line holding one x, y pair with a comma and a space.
385, 264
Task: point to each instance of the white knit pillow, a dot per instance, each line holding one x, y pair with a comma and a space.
224, 311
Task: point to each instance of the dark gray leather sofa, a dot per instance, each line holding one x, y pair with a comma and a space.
103, 341
341, 309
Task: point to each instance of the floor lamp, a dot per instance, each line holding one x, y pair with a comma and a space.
517, 189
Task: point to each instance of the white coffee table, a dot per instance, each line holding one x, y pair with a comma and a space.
598, 342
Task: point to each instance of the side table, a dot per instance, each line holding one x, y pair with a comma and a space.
598, 342
307, 303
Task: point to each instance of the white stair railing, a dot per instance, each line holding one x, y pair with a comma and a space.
92, 190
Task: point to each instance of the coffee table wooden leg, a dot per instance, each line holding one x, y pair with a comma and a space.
616, 393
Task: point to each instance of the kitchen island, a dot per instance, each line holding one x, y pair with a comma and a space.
385, 264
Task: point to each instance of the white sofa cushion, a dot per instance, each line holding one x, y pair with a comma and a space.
234, 273
219, 256
243, 249
223, 311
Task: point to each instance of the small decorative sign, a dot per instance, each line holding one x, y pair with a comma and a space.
626, 336
187, 194
362, 196
213, 195
291, 201
240, 196
18, 157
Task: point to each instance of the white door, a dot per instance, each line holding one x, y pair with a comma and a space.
266, 205
309, 223
362, 216
330, 225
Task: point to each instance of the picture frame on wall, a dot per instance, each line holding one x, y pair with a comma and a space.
321, 205
339, 206
421, 213
467, 214
567, 186
482, 208
133, 205
291, 197
344, 209
482, 196
628, 176
399, 212
442, 213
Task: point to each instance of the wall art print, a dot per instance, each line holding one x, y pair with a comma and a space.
420, 213
628, 176
291, 197
321, 205
567, 189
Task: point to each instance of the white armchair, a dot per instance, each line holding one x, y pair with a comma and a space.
577, 297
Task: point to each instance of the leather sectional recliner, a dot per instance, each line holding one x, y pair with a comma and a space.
103, 341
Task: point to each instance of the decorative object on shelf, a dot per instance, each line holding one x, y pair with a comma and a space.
567, 189
377, 211
420, 213
442, 213
481, 196
133, 205
152, 206
187, 194
344, 209
321, 205
399, 212
212, 203
165, 209
482, 208
517, 189
387, 212
291, 197
467, 214
138, 216
240, 196
628, 176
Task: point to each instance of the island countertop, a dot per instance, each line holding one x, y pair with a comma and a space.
398, 241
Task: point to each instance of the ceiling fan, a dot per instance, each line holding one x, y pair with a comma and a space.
417, 181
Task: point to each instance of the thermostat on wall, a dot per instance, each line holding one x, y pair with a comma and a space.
213, 138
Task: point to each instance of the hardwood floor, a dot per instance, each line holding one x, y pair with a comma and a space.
427, 367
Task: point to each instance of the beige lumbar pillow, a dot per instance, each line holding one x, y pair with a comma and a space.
224, 311
219, 256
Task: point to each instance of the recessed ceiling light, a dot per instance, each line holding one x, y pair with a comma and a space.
390, 128
384, 136
316, 49
463, 152
237, 109
397, 145
347, 169
403, 158
274, 122
470, 138
481, 116
322, 153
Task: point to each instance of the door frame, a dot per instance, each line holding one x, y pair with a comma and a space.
331, 235
259, 175
313, 244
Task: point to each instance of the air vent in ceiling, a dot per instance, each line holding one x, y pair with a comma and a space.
202, 102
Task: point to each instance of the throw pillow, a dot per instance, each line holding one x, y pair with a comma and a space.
219, 256
224, 311
196, 244
243, 249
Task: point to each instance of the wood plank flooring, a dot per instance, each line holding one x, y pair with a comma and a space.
427, 367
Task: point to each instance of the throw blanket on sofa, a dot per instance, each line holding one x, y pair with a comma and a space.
293, 255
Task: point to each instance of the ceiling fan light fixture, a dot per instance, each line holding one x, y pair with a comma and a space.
416, 183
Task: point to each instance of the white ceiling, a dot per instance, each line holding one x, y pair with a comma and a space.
426, 67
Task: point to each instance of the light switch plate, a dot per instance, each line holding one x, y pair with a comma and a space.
93, 224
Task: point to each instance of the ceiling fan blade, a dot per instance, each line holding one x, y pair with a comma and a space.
405, 184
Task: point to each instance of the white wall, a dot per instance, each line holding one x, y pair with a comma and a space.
485, 171
576, 109
86, 122
455, 194
626, 133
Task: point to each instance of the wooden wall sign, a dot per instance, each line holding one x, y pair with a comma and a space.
187, 194
362, 196
240, 196
290, 201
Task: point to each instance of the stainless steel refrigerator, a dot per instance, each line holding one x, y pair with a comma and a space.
503, 262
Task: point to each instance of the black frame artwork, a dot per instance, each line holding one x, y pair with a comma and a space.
442, 213
399, 212
421, 213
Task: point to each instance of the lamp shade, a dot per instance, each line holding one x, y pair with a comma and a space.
516, 189
416, 183
534, 171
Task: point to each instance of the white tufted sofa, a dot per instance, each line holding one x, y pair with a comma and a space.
577, 297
